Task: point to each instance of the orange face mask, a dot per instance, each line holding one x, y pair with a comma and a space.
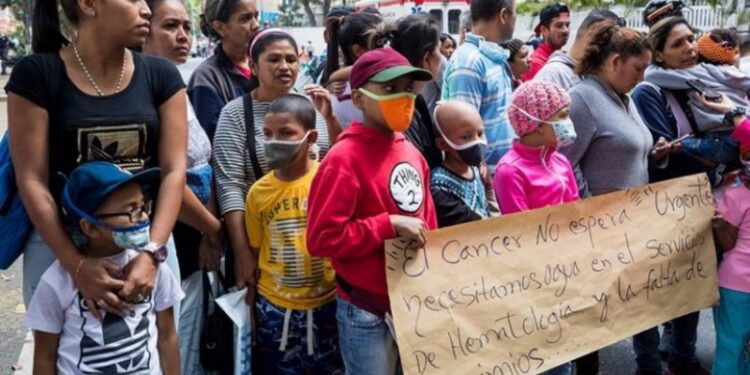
397, 109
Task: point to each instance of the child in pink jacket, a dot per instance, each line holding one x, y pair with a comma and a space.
533, 174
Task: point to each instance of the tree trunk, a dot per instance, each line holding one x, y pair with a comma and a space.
28, 12
309, 12
327, 7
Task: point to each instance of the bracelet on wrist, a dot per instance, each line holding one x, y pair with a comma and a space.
78, 270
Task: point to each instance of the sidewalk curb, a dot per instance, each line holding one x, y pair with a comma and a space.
26, 358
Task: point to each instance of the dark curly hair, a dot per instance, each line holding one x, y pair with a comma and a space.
609, 38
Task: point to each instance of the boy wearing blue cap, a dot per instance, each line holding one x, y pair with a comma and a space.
110, 209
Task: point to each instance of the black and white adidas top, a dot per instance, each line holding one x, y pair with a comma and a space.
117, 344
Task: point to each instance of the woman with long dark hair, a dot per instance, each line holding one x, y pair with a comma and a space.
91, 98
673, 45
198, 233
348, 39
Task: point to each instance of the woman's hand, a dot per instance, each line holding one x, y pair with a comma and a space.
662, 149
321, 98
724, 106
209, 252
98, 281
140, 278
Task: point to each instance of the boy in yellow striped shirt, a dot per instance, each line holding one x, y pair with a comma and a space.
295, 309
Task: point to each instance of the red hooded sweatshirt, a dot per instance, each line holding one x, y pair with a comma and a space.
366, 176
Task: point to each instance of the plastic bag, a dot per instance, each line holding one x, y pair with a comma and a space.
235, 307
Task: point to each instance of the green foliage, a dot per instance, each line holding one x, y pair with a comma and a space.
533, 7
727, 8
291, 14
22, 10
743, 18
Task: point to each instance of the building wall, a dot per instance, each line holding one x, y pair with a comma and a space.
700, 16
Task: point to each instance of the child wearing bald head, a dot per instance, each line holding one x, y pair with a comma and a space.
457, 186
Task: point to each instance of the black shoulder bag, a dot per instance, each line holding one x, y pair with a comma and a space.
217, 333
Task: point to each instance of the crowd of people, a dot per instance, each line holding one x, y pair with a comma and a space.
292, 176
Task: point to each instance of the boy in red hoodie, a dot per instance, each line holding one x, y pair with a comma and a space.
372, 186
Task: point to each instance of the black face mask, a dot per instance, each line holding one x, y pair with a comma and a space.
474, 155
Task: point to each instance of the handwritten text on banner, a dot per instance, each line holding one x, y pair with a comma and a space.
524, 293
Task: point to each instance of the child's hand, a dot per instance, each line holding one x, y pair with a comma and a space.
246, 273
724, 232
411, 228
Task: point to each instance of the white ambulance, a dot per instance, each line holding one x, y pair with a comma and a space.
446, 11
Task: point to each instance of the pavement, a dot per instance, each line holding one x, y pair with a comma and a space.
16, 344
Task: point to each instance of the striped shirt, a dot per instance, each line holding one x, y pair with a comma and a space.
232, 166
477, 73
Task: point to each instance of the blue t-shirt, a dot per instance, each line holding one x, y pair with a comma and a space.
478, 74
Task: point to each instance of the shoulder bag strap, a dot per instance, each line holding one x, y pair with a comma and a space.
684, 102
247, 103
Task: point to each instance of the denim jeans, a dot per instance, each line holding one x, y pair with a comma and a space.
681, 349
37, 257
366, 343
718, 147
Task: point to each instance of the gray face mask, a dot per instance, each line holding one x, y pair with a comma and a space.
280, 154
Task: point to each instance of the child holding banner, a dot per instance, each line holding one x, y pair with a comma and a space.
533, 174
732, 316
372, 186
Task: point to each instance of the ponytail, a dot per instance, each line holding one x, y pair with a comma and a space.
47, 36
205, 27
345, 32
609, 38
415, 36
333, 25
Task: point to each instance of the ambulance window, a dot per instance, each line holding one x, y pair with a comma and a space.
454, 20
437, 14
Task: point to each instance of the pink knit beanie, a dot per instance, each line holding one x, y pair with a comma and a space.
538, 99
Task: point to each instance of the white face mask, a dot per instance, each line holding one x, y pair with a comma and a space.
565, 131
134, 237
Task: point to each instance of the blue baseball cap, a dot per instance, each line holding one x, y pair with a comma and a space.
91, 183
